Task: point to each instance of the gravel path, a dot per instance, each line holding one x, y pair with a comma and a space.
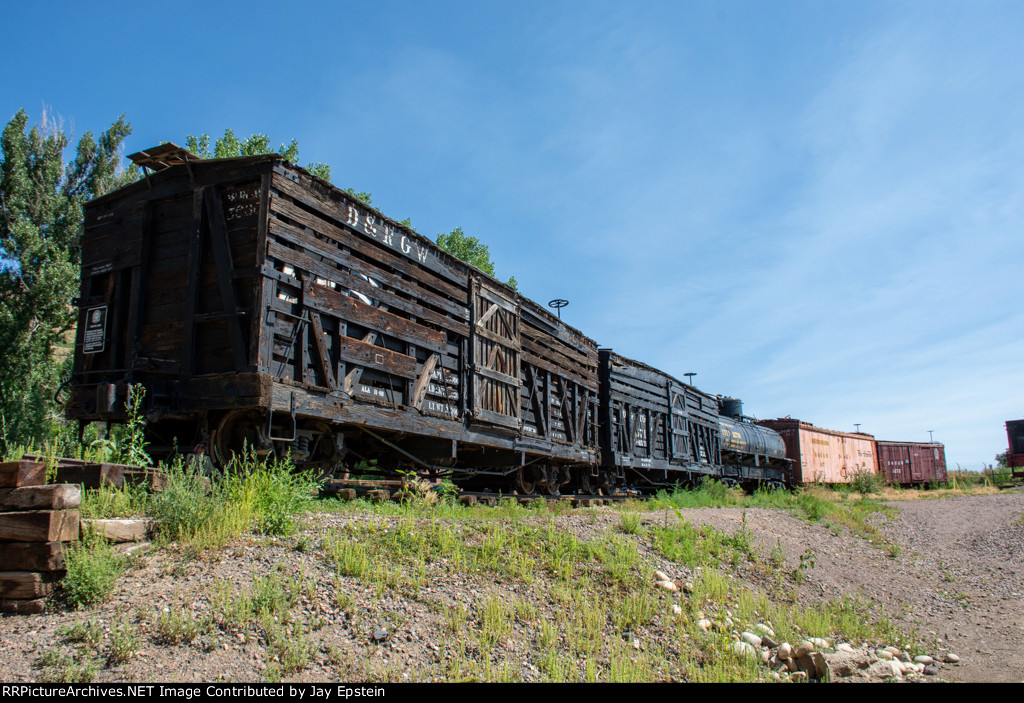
957, 579
958, 576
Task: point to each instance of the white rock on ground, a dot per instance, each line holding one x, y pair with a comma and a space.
742, 649
751, 639
842, 664
886, 669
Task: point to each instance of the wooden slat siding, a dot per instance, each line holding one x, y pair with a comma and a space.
419, 391
116, 319
407, 420
222, 259
537, 401
640, 398
408, 286
582, 354
536, 316
566, 410
301, 359
679, 435
348, 245
136, 307
587, 380
284, 329
495, 360
639, 378
501, 378
113, 243
635, 395
496, 418
194, 253
262, 318
337, 208
93, 295
352, 309
497, 339
176, 181
621, 391
301, 261
626, 379
356, 352
584, 415
324, 354
565, 365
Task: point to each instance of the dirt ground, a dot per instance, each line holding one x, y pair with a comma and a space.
958, 577
957, 580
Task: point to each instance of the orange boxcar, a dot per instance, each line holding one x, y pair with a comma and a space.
825, 456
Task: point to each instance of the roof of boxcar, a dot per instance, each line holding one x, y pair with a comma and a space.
794, 423
166, 156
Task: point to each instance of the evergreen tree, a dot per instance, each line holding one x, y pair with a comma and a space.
41, 201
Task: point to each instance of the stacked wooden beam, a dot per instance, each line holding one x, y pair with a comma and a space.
36, 522
91, 474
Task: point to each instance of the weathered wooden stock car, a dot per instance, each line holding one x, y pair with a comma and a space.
262, 307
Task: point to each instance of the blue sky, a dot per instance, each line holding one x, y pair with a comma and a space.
815, 206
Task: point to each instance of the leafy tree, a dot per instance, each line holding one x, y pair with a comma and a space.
471, 250
230, 146
41, 201
364, 197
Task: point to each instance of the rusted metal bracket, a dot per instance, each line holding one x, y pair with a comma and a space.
295, 425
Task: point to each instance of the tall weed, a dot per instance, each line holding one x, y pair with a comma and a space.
93, 568
251, 492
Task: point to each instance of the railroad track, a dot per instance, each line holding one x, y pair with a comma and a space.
394, 490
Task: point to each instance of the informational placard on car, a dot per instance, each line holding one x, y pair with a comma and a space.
95, 330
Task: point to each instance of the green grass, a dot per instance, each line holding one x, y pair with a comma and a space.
250, 494
124, 643
93, 568
600, 589
90, 645
109, 502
